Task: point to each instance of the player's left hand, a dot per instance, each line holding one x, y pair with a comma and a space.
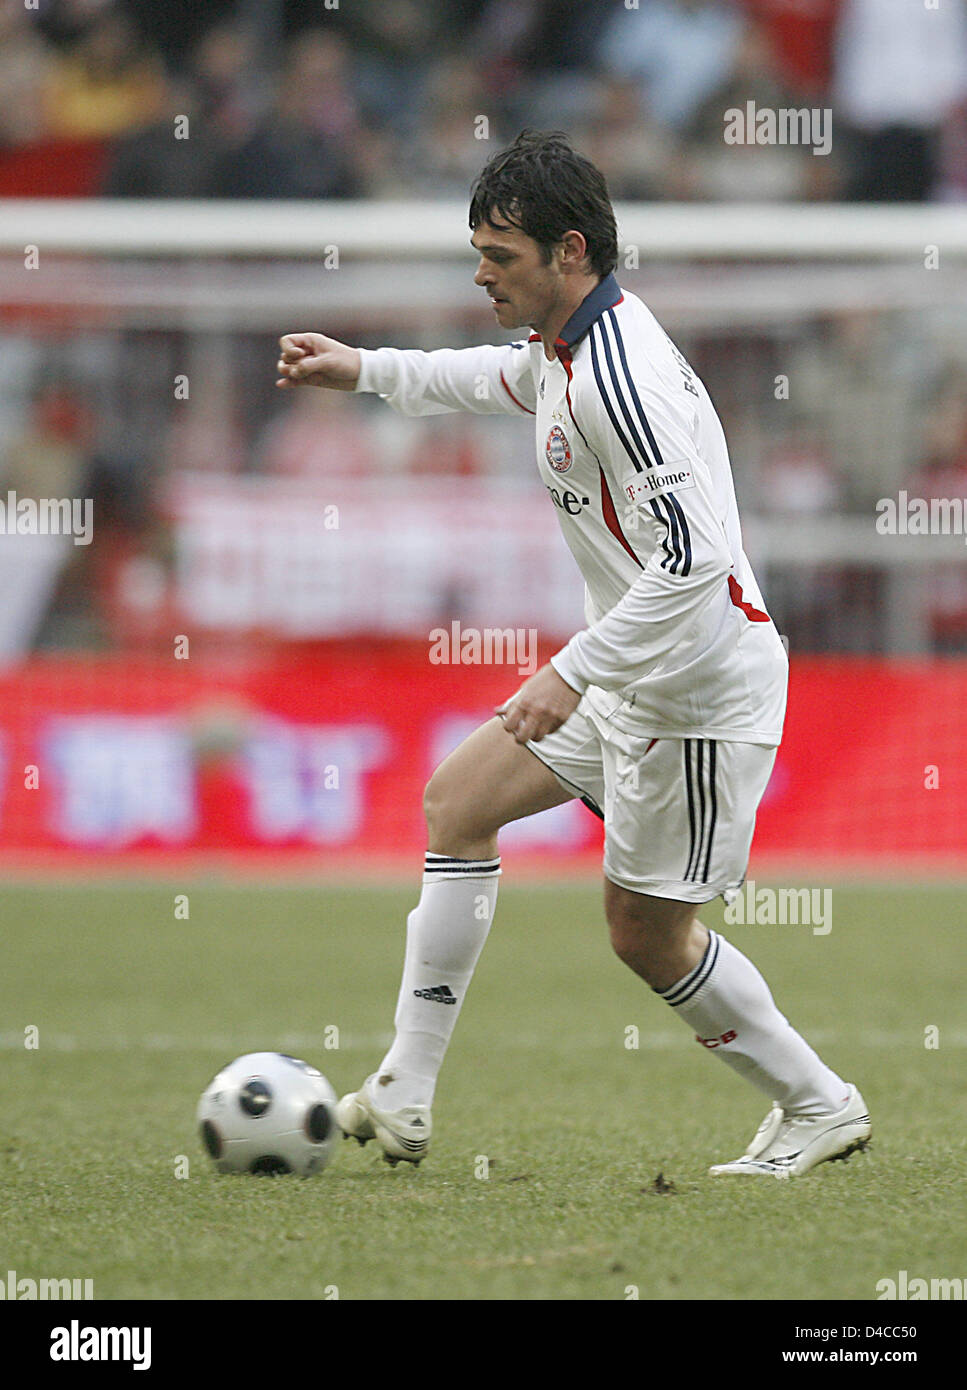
541, 705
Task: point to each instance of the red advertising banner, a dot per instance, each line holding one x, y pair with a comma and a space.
321, 760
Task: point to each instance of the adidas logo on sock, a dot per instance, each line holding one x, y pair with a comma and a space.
439, 994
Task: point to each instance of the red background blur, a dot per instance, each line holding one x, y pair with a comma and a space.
319, 761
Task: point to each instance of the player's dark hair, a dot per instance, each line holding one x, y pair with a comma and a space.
545, 188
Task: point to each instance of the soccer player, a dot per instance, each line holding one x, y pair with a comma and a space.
663, 714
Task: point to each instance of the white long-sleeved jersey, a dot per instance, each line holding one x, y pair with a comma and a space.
634, 457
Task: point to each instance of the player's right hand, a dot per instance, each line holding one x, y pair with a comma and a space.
312, 359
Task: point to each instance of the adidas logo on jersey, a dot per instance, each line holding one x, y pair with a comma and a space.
439, 994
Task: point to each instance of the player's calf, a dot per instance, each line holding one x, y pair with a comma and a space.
658, 938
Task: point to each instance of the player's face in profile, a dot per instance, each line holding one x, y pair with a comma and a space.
523, 288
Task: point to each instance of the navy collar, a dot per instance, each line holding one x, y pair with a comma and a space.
605, 295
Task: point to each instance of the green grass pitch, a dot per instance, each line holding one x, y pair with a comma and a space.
550, 1130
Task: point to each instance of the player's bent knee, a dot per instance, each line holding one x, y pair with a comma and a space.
643, 912
651, 955
454, 825
647, 933
631, 939
434, 802
627, 943
441, 807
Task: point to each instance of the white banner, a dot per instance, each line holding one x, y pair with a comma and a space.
308, 560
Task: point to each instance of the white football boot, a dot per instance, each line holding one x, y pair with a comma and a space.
786, 1146
403, 1135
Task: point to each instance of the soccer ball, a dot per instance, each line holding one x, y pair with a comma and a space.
268, 1114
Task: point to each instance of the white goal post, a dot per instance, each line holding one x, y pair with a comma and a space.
408, 229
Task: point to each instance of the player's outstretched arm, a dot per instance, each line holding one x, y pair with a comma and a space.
312, 359
484, 380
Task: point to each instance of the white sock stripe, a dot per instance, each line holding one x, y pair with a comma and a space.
685, 989
686, 980
457, 859
443, 864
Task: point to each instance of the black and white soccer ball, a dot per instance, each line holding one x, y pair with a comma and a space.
268, 1114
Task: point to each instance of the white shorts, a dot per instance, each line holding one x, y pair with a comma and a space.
678, 814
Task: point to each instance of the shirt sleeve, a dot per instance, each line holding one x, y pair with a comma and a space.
645, 443
489, 380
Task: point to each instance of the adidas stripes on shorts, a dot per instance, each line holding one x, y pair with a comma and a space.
679, 814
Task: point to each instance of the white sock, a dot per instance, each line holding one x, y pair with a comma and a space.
728, 1004
445, 934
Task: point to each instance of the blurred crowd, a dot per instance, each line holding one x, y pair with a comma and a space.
366, 98
408, 98
879, 404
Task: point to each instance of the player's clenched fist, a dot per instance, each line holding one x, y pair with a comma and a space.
312, 359
541, 705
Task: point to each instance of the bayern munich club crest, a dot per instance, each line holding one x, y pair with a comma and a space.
557, 450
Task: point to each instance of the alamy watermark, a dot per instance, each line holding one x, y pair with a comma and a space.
770, 907
48, 516
917, 1289
489, 646
904, 515
77, 1343
762, 125
14, 1288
